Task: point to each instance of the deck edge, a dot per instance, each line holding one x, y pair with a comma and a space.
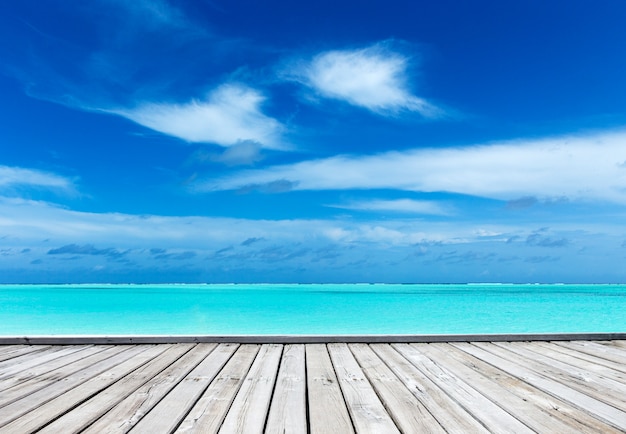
302, 339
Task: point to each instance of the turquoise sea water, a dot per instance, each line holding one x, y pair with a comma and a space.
310, 309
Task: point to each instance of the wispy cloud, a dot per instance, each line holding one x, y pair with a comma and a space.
228, 249
154, 12
571, 167
408, 206
230, 115
86, 249
373, 77
18, 177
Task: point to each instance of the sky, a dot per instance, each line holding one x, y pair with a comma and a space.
214, 141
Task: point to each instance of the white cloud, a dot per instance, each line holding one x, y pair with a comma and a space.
373, 77
576, 167
230, 115
399, 205
12, 177
27, 222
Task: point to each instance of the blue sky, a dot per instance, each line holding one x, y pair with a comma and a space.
244, 141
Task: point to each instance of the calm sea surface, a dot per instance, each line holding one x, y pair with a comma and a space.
310, 309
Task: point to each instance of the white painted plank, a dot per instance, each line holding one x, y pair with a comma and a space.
328, 413
409, 414
172, 409
366, 410
248, 412
210, 410
288, 408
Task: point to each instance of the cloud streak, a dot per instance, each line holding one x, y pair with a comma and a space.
408, 206
19, 177
230, 115
572, 167
374, 78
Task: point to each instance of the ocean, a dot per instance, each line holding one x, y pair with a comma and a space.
269, 309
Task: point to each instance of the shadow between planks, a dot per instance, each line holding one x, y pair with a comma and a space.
576, 386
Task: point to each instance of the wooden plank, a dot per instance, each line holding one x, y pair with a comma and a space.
597, 365
34, 387
5, 349
538, 411
7, 358
27, 358
593, 358
89, 411
516, 366
24, 376
598, 386
612, 343
449, 414
172, 409
612, 353
366, 410
489, 413
126, 414
408, 413
44, 413
555, 405
327, 409
36, 359
248, 412
209, 412
288, 408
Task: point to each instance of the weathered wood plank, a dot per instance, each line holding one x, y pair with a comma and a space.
20, 351
576, 386
366, 410
598, 386
535, 410
560, 408
601, 367
24, 376
210, 410
172, 409
490, 414
288, 408
516, 366
328, 413
51, 381
126, 414
592, 358
612, 352
248, 412
449, 414
71, 397
35, 359
89, 411
409, 414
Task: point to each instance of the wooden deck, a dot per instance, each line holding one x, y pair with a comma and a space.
458, 387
